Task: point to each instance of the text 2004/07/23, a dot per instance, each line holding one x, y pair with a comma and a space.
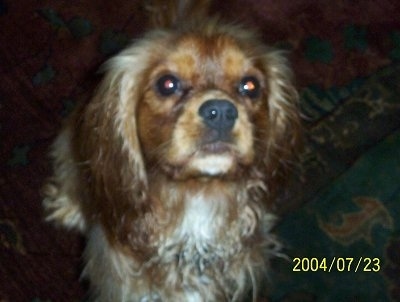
337, 264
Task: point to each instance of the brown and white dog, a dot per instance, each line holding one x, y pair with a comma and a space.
170, 169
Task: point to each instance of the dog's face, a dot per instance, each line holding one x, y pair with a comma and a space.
205, 108
196, 115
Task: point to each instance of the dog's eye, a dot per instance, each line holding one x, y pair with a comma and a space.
168, 85
249, 86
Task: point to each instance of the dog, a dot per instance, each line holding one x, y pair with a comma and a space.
171, 169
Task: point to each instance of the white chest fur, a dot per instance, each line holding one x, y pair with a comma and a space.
203, 218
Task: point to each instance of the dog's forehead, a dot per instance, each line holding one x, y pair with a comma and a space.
208, 55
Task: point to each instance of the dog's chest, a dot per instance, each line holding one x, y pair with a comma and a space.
205, 235
204, 218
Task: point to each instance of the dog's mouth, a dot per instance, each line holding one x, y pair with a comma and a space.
216, 159
215, 148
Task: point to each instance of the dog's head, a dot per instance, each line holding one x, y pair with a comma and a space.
184, 106
206, 104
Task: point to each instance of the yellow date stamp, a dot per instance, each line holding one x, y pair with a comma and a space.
337, 264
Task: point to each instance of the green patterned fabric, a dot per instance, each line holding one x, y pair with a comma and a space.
354, 217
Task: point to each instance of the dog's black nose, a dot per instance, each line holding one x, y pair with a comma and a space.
219, 114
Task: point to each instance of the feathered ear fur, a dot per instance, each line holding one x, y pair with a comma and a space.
61, 192
97, 156
284, 129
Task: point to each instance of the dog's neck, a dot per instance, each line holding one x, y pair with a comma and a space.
203, 209
213, 212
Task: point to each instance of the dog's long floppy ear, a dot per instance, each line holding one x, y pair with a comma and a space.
98, 165
107, 138
284, 130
